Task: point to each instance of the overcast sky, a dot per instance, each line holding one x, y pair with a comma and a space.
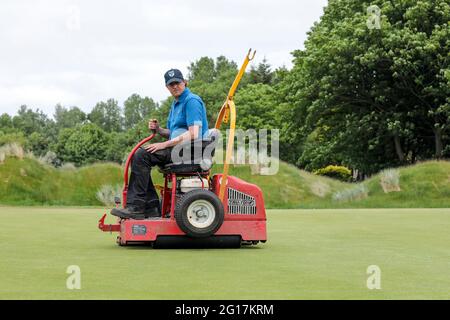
78, 53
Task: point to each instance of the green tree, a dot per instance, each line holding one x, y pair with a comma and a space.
6, 123
118, 147
137, 108
202, 71
12, 137
375, 95
37, 143
68, 118
38, 129
163, 110
29, 121
261, 74
83, 144
211, 80
256, 107
107, 115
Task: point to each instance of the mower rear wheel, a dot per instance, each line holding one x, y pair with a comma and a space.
199, 213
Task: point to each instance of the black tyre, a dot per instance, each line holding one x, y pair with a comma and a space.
199, 213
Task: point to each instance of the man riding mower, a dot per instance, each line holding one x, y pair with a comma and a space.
195, 207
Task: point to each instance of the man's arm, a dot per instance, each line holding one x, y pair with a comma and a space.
189, 135
153, 125
164, 132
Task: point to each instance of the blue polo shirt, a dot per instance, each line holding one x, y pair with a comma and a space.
187, 111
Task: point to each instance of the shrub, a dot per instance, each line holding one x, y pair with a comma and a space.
337, 172
9, 138
12, 150
49, 158
356, 193
82, 145
107, 193
320, 189
69, 166
390, 180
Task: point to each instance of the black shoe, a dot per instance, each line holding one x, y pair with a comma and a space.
129, 213
152, 212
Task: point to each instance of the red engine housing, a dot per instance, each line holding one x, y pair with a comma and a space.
244, 215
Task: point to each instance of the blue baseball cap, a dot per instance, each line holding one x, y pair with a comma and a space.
173, 75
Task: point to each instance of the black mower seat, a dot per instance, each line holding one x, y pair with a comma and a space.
184, 168
201, 166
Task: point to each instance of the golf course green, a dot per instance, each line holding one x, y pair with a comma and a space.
310, 254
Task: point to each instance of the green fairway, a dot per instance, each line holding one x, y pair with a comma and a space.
310, 254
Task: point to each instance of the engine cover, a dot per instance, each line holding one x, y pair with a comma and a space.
242, 200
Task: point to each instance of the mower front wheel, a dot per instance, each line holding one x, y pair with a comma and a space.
199, 213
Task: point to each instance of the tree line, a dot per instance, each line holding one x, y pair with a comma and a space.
366, 98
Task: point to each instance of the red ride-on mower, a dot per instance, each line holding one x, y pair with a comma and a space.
199, 210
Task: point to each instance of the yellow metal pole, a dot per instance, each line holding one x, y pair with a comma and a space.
221, 115
230, 150
228, 113
240, 74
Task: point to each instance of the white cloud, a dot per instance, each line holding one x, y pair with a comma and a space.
81, 52
36, 95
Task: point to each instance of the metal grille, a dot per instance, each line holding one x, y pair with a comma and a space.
240, 203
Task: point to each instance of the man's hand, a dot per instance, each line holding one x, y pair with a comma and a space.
153, 125
152, 148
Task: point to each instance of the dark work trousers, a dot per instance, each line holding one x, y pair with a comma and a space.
141, 191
